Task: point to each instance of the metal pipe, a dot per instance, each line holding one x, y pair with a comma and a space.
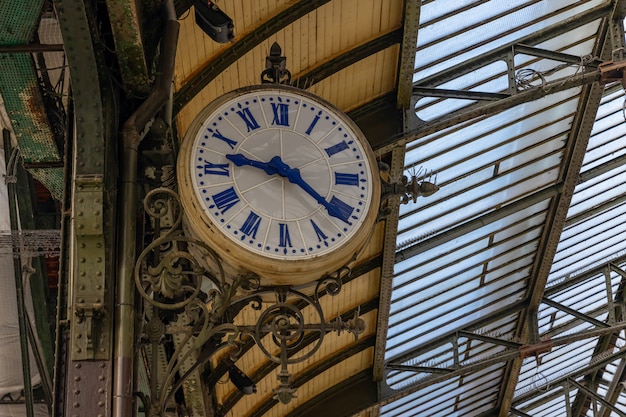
32, 48
19, 284
131, 137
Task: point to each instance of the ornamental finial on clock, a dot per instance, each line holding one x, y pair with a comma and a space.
275, 71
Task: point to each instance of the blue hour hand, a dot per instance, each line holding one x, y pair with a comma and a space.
277, 166
241, 160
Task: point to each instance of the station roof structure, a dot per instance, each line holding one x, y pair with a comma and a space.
493, 288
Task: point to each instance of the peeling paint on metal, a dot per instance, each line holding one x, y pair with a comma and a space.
128, 43
20, 91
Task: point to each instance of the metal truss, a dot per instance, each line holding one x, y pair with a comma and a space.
472, 350
487, 103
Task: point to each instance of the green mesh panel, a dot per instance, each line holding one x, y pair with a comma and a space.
52, 178
18, 20
21, 94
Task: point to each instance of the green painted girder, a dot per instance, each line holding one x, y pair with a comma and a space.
125, 26
22, 96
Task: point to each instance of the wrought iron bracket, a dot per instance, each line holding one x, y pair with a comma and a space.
420, 184
612, 71
197, 306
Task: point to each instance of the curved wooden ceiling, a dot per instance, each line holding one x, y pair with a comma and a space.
346, 52
343, 51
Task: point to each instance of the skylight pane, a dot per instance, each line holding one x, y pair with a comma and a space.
480, 35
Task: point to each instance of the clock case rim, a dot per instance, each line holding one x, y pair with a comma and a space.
271, 270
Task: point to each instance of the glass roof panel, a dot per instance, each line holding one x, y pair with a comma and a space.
466, 253
485, 26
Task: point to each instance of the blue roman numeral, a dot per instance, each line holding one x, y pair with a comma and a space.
345, 210
281, 114
341, 146
216, 134
320, 235
313, 123
224, 200
247, 117
215, 169
251, 225
342, 178
285, 240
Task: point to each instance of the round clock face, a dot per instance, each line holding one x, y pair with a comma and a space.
280, 173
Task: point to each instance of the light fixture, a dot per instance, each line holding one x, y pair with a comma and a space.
241, 380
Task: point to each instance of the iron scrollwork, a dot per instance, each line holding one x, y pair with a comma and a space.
420, 184
293, 319
171, 279
183, 295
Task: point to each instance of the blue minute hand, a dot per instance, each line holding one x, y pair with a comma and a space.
293, 175
277, 166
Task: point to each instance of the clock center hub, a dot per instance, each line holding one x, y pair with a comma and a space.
275, 196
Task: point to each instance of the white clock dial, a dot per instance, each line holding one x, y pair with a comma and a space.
281, 173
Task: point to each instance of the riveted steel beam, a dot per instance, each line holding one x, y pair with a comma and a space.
510, 309
519, 413
520, 48
574, 313
411, 20
459, 94
492, 107
421, 369
91, 317
595, 396
386, 275
606, 343
615, 387
488, 339
578, 139
87, 348
559, 380
389, 395
576, 279
87, 389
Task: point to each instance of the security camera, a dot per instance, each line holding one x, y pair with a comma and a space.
214, 22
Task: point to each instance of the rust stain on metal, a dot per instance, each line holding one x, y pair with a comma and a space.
38, 131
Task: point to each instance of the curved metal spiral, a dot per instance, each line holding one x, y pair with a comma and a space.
161, 202
287, 325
